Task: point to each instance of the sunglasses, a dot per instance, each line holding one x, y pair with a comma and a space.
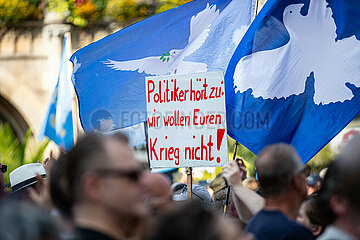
133, 175
3, 168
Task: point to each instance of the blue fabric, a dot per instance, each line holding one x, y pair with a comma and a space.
266, 111
58, 121
273, 225
135, 134
109, 75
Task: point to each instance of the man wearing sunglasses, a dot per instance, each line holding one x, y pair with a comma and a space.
3, 169
103, 184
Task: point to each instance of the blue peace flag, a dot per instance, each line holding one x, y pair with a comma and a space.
295, 76
109, 75
58, 121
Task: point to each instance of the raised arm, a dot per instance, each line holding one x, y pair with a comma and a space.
247, 202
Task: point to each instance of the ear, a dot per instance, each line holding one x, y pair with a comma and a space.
299, 183
91, 186
317, 230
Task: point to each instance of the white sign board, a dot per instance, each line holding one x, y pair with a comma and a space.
343, 138
186, 120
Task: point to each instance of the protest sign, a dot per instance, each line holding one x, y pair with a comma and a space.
186, 120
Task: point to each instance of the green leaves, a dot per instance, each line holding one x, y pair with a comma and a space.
15, 153
165, 57
83, 12
321, 160
15, 11
164, 5
245, 153
129, 11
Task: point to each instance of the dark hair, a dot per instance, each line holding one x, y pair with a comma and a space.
330, 185
120, 137
276, 166
342, 178
313, 213
219, 199
24, 221
191, 220
66, 174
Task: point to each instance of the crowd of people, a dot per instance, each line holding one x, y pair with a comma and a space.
99, 191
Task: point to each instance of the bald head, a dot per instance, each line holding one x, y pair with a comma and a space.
158, 185
276, 165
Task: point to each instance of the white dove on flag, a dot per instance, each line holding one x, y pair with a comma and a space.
312, 47
173, 62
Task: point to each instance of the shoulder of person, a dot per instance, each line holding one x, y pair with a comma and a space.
297, 231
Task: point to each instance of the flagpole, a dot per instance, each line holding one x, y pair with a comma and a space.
146, 142
229, 189
189, 182
257, 8
74, 102
75, 119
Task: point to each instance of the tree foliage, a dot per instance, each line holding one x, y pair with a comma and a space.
83, 12
124, 10
245, 153
164, 5
321, 160
14, 11
15, 153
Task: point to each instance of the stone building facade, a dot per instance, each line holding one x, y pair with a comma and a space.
30, 57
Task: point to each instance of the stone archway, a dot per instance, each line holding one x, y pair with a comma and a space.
9, 114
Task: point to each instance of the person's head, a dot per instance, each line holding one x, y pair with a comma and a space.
219, 187
158, 188
339, 197
192, 220
25, 177
280, 171
24, 221
99, 172
313, 183
310, 216
219, 201
198, 192
177, 187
